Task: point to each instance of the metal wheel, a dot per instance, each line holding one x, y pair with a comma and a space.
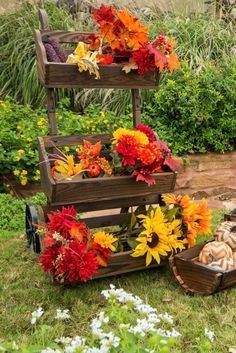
31, 221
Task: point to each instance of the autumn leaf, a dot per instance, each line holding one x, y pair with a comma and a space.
85, 59
78, 231
173, 62
130, 66
66, 168
159, 57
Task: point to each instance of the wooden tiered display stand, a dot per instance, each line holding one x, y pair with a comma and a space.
197, 278
91, 194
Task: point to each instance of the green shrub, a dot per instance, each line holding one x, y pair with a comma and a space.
197, 112
21, 125
12, 211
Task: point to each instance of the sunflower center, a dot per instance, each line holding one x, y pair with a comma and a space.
154, 241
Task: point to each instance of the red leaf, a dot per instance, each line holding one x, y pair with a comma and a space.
144, 176
172, 163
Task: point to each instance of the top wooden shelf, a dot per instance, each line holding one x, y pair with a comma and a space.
63, 75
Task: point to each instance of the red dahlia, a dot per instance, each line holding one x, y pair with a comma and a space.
62, 221
48, 258
78, 263
144, 60
147, 131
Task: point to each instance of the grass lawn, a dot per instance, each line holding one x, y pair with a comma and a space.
23, 287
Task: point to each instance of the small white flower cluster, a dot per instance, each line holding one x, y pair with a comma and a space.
62, 314
35, 315
210, 334
144, 321
75, 343
151, 318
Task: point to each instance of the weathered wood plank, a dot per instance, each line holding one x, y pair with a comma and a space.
110, 188
63, 75
64, 36
59, 141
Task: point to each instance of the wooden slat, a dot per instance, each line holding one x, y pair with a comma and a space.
59, 141
109, 204
123, 263
107, 220
110, 188
64, 36
40, 56
63, 75
43, 18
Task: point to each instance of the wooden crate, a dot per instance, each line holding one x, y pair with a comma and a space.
197, 278
63, 75
97, 193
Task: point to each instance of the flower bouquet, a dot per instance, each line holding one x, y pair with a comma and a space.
73, 253
136, 152
121, 38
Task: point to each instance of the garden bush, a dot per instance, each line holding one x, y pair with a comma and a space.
196, 112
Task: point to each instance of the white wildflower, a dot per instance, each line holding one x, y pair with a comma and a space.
166, 317
145, 309
210, 334
166, 333
36, 315
62, 314
110, 340
75, 343
142, 327
63, 340
153, 318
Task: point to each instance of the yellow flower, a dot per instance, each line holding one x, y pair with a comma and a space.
23, 181
16, 172
24, 172
175, 232
105, 240
21, 151
139, 135
41, 122
154, 238
17, 158
102, 114
29, 139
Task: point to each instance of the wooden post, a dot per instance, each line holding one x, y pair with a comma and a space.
136, 103
51, 111
43, 18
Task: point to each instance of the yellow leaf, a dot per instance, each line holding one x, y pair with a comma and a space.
128, 67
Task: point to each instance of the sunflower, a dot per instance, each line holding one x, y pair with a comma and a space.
154, 238
105, 240
175, 233
171, 199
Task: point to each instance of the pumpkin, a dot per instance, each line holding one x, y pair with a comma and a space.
225, 264
214, 251
226, 232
